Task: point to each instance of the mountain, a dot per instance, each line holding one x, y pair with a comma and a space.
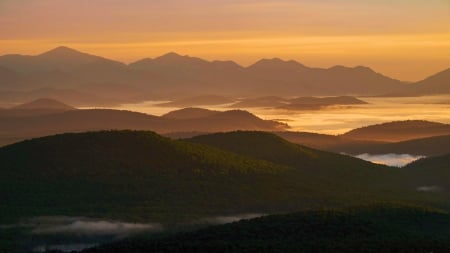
316, 103
190, 113
436, 84
268, 101
272, 148
363, 229
294, 78
123, 173
176, 76
36, 108
20, 128
61, 58
430, 146
399, 131
64, 67
44, 104
319, 141
8, 78
341, 100
139, 177
199, 101
430, 175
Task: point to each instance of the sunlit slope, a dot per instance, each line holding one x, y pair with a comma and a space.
270, 147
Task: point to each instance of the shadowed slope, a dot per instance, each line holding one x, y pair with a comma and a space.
365, 229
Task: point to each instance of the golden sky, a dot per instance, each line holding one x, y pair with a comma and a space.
404, 39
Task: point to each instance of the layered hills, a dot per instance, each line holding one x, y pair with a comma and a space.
26, 121
141, 175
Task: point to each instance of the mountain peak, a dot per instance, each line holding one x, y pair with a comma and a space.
44, 103
61, 52
277, 63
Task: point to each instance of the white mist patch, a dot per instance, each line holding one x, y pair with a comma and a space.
87, 227
229, 219
396, 160
430, 188
96, 228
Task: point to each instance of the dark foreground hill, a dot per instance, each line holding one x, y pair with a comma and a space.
434, 173
138, 176
370, 229
141, 175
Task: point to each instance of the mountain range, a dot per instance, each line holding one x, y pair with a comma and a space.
174, 76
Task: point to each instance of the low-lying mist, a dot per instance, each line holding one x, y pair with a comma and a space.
396, 160
71, 234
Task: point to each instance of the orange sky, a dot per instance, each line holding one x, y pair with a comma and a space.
404, 39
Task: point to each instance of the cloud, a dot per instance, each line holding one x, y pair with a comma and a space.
396, 160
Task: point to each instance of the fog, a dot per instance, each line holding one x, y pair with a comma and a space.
396, 160
336, 120
103, 228
229, 219
430, 188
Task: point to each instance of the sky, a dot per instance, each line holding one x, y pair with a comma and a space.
404, 39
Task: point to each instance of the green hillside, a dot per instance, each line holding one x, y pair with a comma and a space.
368, 229
136, 175
139, 176
127, 174
315, 163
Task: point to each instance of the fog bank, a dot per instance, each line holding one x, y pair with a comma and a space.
396, 160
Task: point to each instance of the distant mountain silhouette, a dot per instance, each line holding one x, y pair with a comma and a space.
34, 108
14, 129
8, 78
199, 101
44, 104
268, 102
399, 131
175, 76
315, 103
190, 113
429, 146
435, 84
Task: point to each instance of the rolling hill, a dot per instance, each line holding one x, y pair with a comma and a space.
399, 131
138, 176
44, 104
16, 128
141, 175
190, 113
363, 229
